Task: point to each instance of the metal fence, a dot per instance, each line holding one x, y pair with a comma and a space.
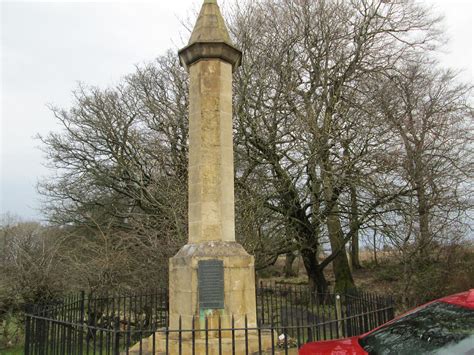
287, 317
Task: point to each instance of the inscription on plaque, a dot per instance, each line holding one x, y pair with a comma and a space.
211, 284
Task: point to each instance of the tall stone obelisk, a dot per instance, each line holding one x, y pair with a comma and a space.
212, 276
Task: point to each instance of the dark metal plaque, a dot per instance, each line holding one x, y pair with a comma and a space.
211, 284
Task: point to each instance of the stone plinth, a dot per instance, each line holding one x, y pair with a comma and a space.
239, 286
226, 346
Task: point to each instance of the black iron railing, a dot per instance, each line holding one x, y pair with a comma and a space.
287, 317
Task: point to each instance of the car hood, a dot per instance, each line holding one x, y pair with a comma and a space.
348, 346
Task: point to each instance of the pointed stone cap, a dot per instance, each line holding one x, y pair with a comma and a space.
210, 26
210, 39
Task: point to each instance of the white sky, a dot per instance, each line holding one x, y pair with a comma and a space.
47, 47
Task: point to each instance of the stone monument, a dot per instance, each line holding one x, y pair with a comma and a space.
212, 276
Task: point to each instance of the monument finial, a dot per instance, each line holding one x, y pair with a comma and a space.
210, 26
210, 38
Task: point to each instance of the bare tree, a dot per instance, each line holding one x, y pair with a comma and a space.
314, 167
306, 124
431, 115
122, 156
28, 261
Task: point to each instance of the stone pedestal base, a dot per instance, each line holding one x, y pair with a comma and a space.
227, 346
239, 309
239, 286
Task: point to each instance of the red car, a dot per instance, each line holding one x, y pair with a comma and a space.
444, 327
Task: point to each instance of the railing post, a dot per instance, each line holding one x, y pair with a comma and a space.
349, 301
116, 346
262, 302
392, 309
339, 315
81, 319
27, 331
42, 336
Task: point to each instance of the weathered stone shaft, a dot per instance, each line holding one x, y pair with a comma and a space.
211, 174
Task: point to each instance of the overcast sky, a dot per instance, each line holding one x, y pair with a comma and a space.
47, 47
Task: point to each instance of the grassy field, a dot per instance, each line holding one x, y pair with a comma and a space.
11, 334
13, 351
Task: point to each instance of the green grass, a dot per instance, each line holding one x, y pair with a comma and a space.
11, 335
12, 351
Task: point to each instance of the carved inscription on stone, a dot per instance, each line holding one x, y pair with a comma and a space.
211, 284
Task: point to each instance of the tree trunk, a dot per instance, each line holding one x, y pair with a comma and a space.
340, 264
423, 219
375, 248
289, 260
316, 278
354, 224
